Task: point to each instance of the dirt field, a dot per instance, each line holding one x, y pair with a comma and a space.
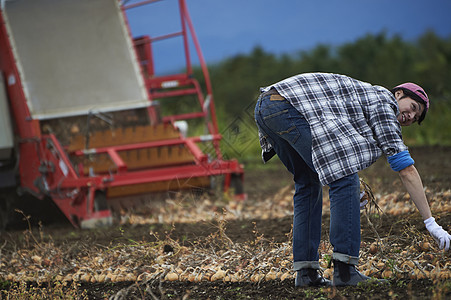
194, 237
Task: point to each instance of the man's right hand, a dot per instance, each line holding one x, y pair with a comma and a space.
442, 237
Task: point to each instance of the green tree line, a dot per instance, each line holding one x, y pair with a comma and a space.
378, 59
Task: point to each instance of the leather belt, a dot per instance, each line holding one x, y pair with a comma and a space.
274, 95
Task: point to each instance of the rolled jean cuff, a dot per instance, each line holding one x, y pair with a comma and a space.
350, 260
297, 265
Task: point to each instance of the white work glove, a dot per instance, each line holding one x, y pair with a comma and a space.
440, 236
364, 202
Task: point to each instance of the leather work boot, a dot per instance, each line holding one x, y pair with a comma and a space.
345, 274
310, 277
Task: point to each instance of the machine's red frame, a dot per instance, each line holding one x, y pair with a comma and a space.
44, 165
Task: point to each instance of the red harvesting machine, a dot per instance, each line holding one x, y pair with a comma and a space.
81, 111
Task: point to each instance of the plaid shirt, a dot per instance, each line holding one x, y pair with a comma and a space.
352, 122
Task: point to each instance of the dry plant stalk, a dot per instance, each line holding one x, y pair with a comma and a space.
372, 207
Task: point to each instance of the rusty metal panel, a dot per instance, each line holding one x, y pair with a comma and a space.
137, 159
74, 57
124, 136
160, 186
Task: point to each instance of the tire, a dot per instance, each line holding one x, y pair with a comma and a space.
236, 184
100, 202
7, 197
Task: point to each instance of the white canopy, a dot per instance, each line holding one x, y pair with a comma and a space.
74, 56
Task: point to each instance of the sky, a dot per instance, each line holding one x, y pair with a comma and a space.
227, 28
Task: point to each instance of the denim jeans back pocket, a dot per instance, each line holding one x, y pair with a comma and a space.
278, 117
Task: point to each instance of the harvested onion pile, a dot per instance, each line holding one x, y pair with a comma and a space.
410, 255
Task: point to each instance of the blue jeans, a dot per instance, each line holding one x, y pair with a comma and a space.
289, 133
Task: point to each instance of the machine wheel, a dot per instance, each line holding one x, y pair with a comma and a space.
236, 183
100, 202
7, 196
4, 213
